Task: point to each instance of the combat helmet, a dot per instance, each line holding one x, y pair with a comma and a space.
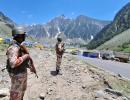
16, 31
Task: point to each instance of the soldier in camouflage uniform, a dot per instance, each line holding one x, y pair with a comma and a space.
59, 52
16, 65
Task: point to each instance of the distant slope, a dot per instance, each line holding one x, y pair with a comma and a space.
6, 25
120, 23
116, 42
5, 31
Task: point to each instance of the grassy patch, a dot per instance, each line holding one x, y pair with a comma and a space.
121, 85
3, 46
127, 49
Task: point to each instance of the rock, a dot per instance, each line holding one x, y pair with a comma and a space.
119, 75
42, 96
49, 91
107, 83
99, 94
124, 98
118, 93
83, 86
4, 92
54, 82
85, 71
95, 77
50, 84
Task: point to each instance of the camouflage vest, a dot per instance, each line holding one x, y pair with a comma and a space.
58, 51
21, 68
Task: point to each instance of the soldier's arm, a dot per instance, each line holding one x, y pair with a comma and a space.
14, 59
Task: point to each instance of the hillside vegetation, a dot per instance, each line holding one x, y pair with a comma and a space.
5, 31
118, 43
120, 23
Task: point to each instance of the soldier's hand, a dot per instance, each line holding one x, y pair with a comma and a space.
25, 57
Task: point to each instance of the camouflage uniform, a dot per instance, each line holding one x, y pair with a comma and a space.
17, 74
59, 53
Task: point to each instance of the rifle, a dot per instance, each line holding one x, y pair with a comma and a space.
63, 47
33, 68
31, 65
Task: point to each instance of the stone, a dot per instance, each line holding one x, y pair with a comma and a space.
49, 91
99, 94
86, 71
4, 92
42, 96
83, 86
124, 98
118, 93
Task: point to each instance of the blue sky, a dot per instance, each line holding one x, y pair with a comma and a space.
41, 11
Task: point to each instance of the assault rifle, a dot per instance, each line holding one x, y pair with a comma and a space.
31, 65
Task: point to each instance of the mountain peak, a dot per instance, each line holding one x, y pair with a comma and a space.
1, 14
81, 17
62, 16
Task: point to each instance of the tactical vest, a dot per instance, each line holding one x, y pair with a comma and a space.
19, 69
57, 49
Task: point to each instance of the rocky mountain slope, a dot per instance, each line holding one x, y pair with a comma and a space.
120, 23
82, 27
78, 30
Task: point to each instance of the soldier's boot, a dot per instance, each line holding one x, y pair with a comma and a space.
58, 71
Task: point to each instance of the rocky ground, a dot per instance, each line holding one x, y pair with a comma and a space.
79, 81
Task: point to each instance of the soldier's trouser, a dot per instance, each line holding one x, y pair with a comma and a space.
18, 86
58, 62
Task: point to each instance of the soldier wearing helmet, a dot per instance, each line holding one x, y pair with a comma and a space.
16, 66
59, 48
19, 34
